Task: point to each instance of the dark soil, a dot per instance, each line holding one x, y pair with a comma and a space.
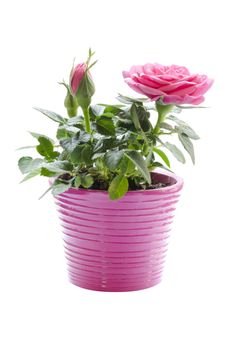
102, 185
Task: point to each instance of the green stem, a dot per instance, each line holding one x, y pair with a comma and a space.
162, 110
87, 120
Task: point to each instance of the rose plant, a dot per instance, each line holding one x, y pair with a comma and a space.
116, 147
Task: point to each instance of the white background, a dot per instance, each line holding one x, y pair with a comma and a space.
191, 308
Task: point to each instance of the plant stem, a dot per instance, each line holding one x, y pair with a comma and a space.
87, 120
162, 110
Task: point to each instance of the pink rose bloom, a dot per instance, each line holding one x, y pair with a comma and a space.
76, 76
174, 83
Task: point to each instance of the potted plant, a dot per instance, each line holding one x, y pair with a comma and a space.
110, 174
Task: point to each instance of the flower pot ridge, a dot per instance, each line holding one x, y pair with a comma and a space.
118, 245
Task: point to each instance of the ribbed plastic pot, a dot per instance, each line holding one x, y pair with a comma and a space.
121, 245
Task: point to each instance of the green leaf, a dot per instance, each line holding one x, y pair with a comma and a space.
25, 147
130, 100
66, 131
33, 173
162, 155
105, 126
113, 158
82, 154
140, 117
97, 110
126, 166
78, 120
98, 155
183, 127
166, 126
114, 109
118, 187
175, 151
140, 163
60, 187
57, 168
36, 135
71, 143
45, 148
77, 181
52, 115
188, 145
49, 189
87, 181
27, 164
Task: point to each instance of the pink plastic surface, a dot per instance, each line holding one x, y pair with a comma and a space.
118, 245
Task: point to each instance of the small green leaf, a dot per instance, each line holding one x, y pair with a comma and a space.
77, 181
140, 117
52, 115
25, 147
45, 148
24, 164
58, 167
98, 155
60, 187
97, 110
176, 152
140, 163
82, 154
188, 145
113, 158
27, 164
183, 127
166, 126
118, 187
126, 166
105, 126
36, 135
130, 100
78, 120
87, 181
162, 155
32, 174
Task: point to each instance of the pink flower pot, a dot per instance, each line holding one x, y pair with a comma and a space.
121, 245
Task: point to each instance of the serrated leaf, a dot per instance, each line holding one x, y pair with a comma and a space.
105, 126
126, 166
113, 158
118, 187
162, 155
183, 127
27, 164
52, 115
45, 148
140, 163
176, 152
188, 145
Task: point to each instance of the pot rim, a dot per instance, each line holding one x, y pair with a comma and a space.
175, 186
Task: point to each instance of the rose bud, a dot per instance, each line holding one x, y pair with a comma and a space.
82, 85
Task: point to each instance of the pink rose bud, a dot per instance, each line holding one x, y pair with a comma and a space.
82, 85
76, 76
